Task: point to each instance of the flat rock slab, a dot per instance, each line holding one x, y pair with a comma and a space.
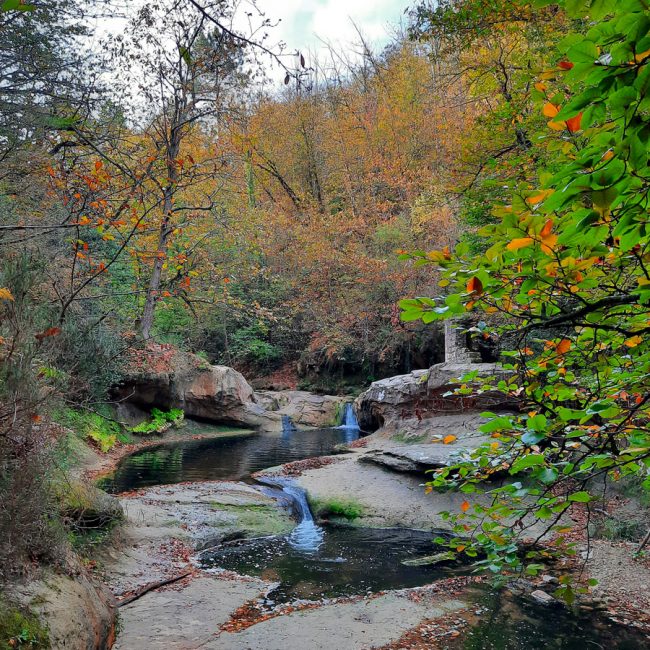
341, 626
162, 521
186, 618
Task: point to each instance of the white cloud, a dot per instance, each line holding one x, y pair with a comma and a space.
305, 24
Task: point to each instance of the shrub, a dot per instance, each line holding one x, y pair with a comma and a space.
160, 421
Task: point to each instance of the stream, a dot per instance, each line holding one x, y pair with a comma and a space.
318, 561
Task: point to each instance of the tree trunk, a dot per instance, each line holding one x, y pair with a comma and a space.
166, 229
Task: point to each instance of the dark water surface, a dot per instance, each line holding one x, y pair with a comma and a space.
232, 458
512, 623
349, 561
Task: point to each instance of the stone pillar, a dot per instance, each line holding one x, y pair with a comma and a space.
456, 348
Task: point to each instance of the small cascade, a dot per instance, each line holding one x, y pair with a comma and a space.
350, 423
288, 427
306, 536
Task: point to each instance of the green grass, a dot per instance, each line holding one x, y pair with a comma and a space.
344, 508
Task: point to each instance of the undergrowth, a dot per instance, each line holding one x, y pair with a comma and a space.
19, 629
160, 421
96, 427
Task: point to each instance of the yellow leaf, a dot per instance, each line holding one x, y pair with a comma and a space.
540, 86
448, 439
633, 341
516, 244
640, 57
556, 126
5, 294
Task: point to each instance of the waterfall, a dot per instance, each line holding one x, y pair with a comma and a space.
350, 423
306, 536
349, 418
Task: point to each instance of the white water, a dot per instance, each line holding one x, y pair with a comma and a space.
350, 423
306, 536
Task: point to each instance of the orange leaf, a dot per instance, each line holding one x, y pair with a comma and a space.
550, 110
448, 439
5, 294
475, 286
573, 123
563, 346
540, 86
546, 230
539, 197
464, 506
548, 244
516, 244
98, 165
50, 331
556, 126
633, 341
565, 65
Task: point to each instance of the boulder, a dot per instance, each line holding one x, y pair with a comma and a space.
391, 399
304, 408
423, 394
161, 376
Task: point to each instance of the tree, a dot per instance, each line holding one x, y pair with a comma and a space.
568, 267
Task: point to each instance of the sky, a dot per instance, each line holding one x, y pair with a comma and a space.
304, 24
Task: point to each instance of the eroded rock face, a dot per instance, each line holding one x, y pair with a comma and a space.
161, 376
79, 613
391, 399
423, 394
304, 408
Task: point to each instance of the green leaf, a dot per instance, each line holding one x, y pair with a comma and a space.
580, 497
524, 462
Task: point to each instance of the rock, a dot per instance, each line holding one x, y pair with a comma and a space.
391, 399
304, 408
423, 394
445, 556
550, 580
163, 377
543, 598
79, 613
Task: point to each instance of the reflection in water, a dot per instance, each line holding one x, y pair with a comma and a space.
348, 561
510, 623
225, 458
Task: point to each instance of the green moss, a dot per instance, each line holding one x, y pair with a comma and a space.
258, 519
160, 421
97, 427
409, 439
19, 629
345, 508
